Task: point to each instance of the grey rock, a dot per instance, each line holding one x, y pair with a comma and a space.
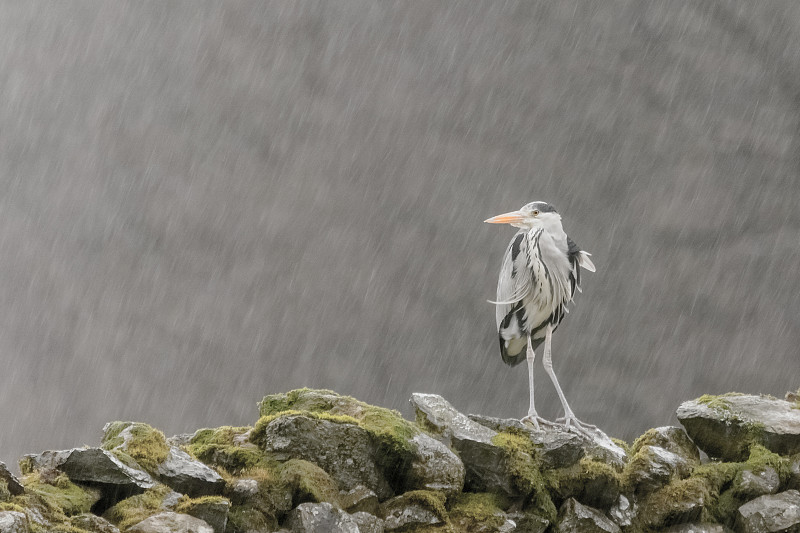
242, 490
93, 465
560, 448
766, 514
727, 426
320, 518
189, 476
574, 517
652, 467
214, 513
14, 486
13, 522
434, 467
750, 484
345, 451
484, 462
673, 439
527, 523
623, 512
794, 473
436, 413
169, 522
403, 512
368, 523
93, 523
697, 528
656, 513
359, 499
557, 448
171, 500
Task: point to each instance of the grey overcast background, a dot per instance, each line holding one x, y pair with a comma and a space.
205, 202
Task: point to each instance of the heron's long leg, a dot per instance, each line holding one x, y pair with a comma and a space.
569, 416
533, 417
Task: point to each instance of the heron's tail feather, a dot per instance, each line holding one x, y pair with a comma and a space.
585, 262
513, 351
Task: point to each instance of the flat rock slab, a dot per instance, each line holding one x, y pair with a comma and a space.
14, 486
574, 517
170, 522
189, 476
92, 465
452, 426
725, 426
320, 518
767, 514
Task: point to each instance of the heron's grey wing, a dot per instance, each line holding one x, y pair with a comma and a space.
513, 286
515, 281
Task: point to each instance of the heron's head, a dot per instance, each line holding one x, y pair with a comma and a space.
533, 215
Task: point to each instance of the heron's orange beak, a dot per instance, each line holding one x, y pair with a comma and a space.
514, 217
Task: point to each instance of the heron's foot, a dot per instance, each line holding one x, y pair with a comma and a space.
571, 423
537, 421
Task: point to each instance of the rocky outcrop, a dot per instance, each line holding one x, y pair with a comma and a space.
725, 426
318, 461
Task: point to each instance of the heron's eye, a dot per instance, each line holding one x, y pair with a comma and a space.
536, 212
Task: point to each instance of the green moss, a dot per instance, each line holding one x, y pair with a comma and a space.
224, 447
672, 502
470, 511
760, 458
133, 510
26, 465
186, 504
524, 466
307, 482
63, 494
622, 444
242, 519
429, 499
5, 494
143, 443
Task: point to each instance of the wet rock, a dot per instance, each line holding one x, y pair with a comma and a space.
243, 490
320, 518
367, 522
557, 448
681, 501
189, 476
412, 510
14, 486
93, 523
592, 483
434, 467
213, 511
169, 522
652, 467
671, 438
359, 499
92, 465
750, 484
623, 511
765, 514
484, 461
344, 450
725, 426
697, 528
574, 517
13, 522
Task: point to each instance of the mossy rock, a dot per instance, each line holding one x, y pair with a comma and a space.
590, 482
211, 509
245, 518
524, 467
143, 443
136, 508
308, 483
417, 511
388, 426
681, 501
477, 511
227, 447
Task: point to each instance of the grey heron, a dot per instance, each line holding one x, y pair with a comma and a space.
540, 273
